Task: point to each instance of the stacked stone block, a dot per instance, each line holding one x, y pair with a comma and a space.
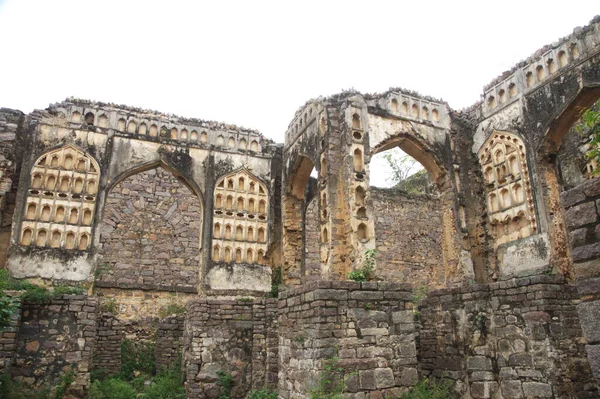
367, 329
512, 339
54, 337
8, 341
582, 210
169, 336
235, 336
107, 351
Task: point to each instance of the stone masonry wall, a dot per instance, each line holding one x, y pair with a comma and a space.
169, 339
408, 235
8, 342
54, 337
237, 336
107, 350
368, 326
312, 261
582, 210
150, 234
511, 339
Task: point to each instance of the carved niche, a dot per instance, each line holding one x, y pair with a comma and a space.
240, 221
507, 184
61, 201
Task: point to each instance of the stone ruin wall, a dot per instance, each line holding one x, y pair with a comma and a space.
102, 178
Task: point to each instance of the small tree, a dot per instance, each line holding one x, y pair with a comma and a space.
589, 126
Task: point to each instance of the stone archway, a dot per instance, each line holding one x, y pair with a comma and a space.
150, 233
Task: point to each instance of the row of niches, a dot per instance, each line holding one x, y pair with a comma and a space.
534, 74
508, 196
414, 108
55, 236
239, 185
64, 182
184, 134
241, 204
66, 160
224, 230
225, 252
59, 212
511, 228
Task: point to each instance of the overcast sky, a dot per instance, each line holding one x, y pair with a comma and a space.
254, 63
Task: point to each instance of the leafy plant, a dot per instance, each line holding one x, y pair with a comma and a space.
276, 281
170, 309
68, 290
225, 381
264, 393
112, 388
63, 386
590, 127
137, 356
364, 273
8, 308
431, 389
166, 385
109, 305
331, 381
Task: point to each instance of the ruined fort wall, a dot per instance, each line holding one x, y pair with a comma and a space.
408, 237
510, 339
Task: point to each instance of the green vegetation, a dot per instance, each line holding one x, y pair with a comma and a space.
109, 305
137, 356
113, 388
10, 389
262, 394
431, 389
331, 381
171, 309
276, 281
589, 126
365, 272
225, 381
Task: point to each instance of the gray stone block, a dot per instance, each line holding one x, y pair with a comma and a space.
537, 389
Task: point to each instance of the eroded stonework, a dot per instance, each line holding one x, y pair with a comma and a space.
491, 280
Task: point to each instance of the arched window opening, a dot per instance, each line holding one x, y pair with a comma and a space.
143, 130
50, 182
250, 234
261, 235
562, 59
325, 235
68, 162
89, 118
183, 135
489, 175
505, 198
83, 242
26, 238
131, 127
435, 115
261, 257
231, 142
358, 160
241, 185
78, 186
238, 255
362, 232
249, 256
529, 79
502, 96
322, 125
229, 203
491, 102
356, 121
36, 181
76, 117
361, 213
251, 205
254, 146
240, 204
574, 50
425, 113
203, 137
540, 72
217, 231
91, 187
415, 111
404, 107
55, 239
227, 254
45, 217
252, 187
54, 161
230, 184
31, 211
262, 206
73, 216
216, 253
59, 215
87, 217
518, 194
493, 202
153, 130
552, 66
239, 233
243, 145
219, 201
512, 90
103, 121
42, 236
228, 232
323, 166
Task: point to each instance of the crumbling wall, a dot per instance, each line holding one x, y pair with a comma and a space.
510, 339
312, 260
367, 329
54, 337
408, 236
8, 341
582, 210
107, 350
150, 234
230, 335
169, 339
